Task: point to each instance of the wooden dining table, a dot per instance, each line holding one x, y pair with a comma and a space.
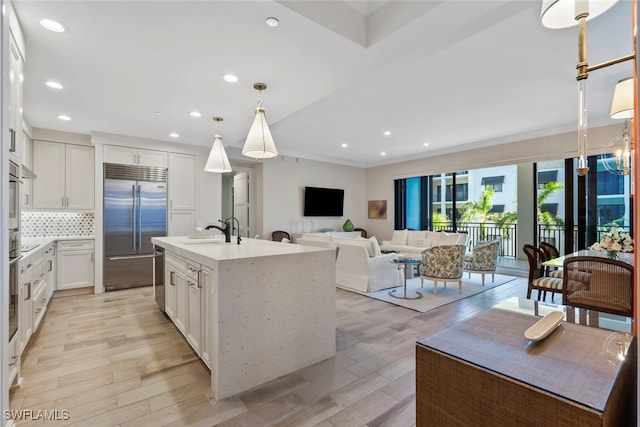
557, 262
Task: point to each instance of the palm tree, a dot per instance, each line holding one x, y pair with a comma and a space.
504, 220
548, 219
440, 221
478, 210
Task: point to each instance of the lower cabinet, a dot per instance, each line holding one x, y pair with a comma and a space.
185, 300
75, 264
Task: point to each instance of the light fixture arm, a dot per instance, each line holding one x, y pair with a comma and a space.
583, 69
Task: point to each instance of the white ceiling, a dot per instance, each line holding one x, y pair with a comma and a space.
451, 73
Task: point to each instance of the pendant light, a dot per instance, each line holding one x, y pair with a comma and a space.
565, 13
259, 143
218, 161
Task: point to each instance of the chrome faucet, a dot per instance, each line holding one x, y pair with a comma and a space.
228, 228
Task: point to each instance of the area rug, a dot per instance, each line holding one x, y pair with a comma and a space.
429, 301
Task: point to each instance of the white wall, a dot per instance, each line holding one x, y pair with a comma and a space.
283, 187
380, 179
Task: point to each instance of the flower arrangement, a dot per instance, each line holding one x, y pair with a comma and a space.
614, 241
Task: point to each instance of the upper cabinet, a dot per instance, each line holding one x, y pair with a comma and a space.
182, 181
65, 176
134, 156
16, 60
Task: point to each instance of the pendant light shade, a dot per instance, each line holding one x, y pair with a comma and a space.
562, 13
622, 104
218, 161
259, 143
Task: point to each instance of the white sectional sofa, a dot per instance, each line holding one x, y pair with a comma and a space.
415, 241
360, 266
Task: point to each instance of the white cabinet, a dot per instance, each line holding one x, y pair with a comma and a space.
25, 328
182, 195
134, 156
50, 261
74, 264
194, 306
181, 223
182, 181
16, 65
183, 298
25, 187
169, 288
65, 176
208, 290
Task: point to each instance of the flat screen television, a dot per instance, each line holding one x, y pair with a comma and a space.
323, 201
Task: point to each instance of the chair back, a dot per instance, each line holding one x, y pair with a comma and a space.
445, 261
278, 235
598, 283
535, 258
549, 251
362, 231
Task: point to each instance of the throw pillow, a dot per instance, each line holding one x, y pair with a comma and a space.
413, 235
376, 246
421, 243
399, 237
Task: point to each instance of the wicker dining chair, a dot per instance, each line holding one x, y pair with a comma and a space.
278, 235
598, 283
362, 231
550, 252
537, 279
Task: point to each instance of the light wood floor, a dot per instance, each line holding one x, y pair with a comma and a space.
114, 360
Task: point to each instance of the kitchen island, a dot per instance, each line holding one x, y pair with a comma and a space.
253, 311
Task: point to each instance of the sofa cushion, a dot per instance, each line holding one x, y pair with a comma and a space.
322, 238
359, 241
413, 235
399, 237
448, 238
375, 246
421, 243
433, 239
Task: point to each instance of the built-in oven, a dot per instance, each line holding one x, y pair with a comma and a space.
14, 196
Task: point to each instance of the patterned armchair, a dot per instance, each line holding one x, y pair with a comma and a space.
483, 259
442, 264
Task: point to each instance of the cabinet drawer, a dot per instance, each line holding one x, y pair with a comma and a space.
39, 306
75, 245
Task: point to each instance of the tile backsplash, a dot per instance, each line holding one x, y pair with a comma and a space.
55, 223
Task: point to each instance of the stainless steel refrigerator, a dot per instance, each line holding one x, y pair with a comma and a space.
135, 210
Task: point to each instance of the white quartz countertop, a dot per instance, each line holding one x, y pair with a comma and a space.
203, 250
37, 243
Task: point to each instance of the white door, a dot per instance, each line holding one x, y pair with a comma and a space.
75, 269
241, 201
181, 223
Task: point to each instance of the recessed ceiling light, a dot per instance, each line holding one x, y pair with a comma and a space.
345, 145
387, 133
173, 135
272, 22
383, 153
230, 78
426, 144
156, 113
195, 114
53, 85
63, 117
52, 25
